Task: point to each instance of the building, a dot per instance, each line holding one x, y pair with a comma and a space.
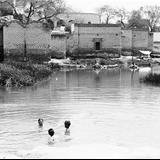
34, 36
86, 38
58, 41
80, 17
156, 42
95, 37
137, 39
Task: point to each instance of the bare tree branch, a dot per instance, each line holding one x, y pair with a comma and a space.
107, 13
37, 9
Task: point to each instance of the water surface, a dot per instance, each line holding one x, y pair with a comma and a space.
111, 107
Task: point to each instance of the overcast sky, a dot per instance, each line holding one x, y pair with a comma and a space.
91, 5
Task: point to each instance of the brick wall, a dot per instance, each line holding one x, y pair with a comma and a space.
84, 35
138, 39
150, 41
126, 39
38, 39
14, 38
58, 44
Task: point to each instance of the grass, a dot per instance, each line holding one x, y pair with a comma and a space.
19, 74
152, 79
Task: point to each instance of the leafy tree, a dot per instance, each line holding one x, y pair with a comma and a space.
41, 10
5, 10
136, 20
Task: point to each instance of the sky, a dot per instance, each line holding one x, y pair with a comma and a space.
91, 5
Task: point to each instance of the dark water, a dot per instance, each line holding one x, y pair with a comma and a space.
111, 107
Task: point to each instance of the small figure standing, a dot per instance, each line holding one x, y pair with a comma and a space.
40, 122
51, 134
67, 125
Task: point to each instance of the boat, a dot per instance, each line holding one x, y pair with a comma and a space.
133, 67
112, 66
97, 66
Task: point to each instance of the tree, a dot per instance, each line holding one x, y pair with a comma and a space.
152, 13
41, 10
123, 15
107, 13
26, 10
136, 20
5, 10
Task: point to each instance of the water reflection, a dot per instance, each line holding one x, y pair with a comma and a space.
111, 106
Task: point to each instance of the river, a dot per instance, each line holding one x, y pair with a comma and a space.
112, 115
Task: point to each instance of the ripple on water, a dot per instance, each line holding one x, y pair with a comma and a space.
111, 107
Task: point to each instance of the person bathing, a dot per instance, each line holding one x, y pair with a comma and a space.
51, 134
67, 125
40, 122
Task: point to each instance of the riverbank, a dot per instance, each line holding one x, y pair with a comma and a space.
152, 78
21, 74
14, 72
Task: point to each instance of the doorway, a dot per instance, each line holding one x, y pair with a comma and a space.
97, 46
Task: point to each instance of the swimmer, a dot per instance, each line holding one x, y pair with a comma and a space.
51, 134
67, 125
40, 122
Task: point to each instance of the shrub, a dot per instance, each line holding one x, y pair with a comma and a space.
152, 79
22, 74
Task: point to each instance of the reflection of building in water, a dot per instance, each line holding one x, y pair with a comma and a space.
156, 69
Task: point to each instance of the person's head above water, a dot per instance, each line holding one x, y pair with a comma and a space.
67, 124
40, 122
51, 132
